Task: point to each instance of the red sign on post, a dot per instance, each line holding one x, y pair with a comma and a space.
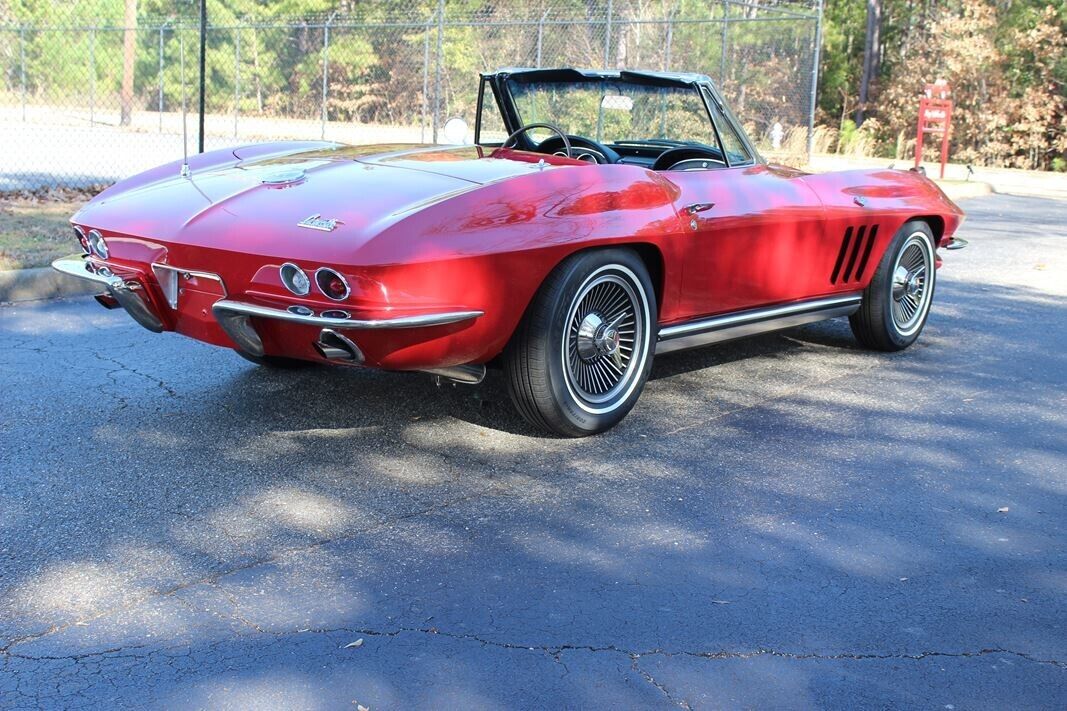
935, 116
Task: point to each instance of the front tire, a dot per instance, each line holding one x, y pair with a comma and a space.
897, 301
580, 358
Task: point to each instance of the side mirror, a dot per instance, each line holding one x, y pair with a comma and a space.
456, 131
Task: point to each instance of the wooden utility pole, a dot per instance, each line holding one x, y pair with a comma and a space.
129, 56
871, 56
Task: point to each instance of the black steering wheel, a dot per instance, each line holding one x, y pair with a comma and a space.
582, 148
566, 142
697, 155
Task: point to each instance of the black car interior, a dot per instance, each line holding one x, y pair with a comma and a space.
654, 154
659, 153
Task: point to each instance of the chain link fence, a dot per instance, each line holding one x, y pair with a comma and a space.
84, 105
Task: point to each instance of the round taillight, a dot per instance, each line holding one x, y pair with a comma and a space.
331, 284
97, 244
79, 234
294, 279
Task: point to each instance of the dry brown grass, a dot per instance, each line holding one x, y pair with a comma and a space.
34, 228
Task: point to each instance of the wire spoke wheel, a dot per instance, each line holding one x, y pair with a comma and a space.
604, 340
579, 359
898, 298
910, 285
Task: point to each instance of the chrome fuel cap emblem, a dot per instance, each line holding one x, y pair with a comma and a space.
283, 177
316, 222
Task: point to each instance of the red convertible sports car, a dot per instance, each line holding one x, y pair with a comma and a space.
599, 218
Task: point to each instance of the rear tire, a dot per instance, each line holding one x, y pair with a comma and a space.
582, 353
897, 301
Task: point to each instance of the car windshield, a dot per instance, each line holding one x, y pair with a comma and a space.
614, 111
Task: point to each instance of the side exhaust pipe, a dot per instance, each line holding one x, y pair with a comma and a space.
331, 345
470, 374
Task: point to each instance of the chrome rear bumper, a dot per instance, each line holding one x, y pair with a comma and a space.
235, 317
419, 321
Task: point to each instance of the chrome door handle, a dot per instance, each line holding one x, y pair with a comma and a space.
697, 207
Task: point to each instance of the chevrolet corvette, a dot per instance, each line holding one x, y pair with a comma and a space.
596, 219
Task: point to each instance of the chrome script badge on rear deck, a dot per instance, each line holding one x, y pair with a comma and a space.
315, 222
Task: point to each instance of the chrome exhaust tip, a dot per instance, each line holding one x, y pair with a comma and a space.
107, 301
125, 294
331, 345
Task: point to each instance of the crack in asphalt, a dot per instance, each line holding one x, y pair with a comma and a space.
681, 703
556, 650
123, 367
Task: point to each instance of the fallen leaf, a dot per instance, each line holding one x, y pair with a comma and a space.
352, 645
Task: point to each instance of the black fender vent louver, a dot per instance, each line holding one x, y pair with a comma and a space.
855, 251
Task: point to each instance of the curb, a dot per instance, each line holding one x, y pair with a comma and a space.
961, 191
43, 283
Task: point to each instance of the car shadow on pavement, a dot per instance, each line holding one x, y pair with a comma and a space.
791, 494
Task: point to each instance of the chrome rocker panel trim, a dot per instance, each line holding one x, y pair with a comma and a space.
226, 307
748, 323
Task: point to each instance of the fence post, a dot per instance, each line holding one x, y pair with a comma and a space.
325, 72
22, 67
236, 76
161, 27
670, 39
607, 37
425, 79
440, 61
814, 80
92, 76
185, 135
203, 74
540, 36
725, 25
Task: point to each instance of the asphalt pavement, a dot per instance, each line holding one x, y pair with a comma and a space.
785, 522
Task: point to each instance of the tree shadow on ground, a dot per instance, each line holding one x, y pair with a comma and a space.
789, 493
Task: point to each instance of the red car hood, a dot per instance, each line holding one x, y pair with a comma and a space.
253, 199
